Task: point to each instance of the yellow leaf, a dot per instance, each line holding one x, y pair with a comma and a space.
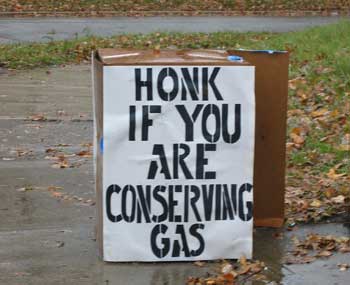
319, 113
333, 175
316, 203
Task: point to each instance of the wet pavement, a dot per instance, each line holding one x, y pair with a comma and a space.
47, 215
13, 30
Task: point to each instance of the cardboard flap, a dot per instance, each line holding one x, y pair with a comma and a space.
271, 92
161, 57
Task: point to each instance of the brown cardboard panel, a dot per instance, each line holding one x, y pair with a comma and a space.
161, 57
271, 92
97, 74
271, 222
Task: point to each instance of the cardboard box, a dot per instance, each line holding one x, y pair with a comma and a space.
271, 89
174, 154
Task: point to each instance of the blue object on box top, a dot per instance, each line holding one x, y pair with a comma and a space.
235, 58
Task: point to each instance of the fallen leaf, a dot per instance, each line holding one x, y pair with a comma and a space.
319, 113
340, 199
226, 268
316, 203
300, 260
38, 117
61, 164
343, 266
54, 188
344, 249
25, 189
297, 139
84, 153
57, 194
60, 244
8, 158
329, 192
325, 253
333, 175
197, 263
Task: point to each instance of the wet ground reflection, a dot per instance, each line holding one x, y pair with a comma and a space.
270, 246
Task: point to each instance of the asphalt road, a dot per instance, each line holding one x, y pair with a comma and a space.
47, 29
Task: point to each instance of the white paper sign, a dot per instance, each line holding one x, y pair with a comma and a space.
178, 162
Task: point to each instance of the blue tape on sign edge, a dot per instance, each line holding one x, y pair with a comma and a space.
101, 145
235, 58
269, 51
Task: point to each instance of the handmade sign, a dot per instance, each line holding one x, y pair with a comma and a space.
178, 155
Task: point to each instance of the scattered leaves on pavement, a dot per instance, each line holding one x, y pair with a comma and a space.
178, 7
316, 246
230, 273
58, 193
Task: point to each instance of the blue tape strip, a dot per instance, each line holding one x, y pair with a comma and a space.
101, 145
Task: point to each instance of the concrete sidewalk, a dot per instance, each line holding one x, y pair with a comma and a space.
47, 29
47, 234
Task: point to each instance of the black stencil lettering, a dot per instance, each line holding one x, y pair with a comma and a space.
208, 192
196, 195
132, 200
139, 84
180, 230
205, 83
178, 189
172, 203
144, 203
176, 162
213, 85
194, 232
231, 138
227, 208
192, 84
158, 149
182, 162
234, 198
218, 202
164, 250
211, 82
176, 249
165, 72
132, 122
146, 121
110, 191
189, 120
201, 161
211, 109
186, 206
158, 197
248, 205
